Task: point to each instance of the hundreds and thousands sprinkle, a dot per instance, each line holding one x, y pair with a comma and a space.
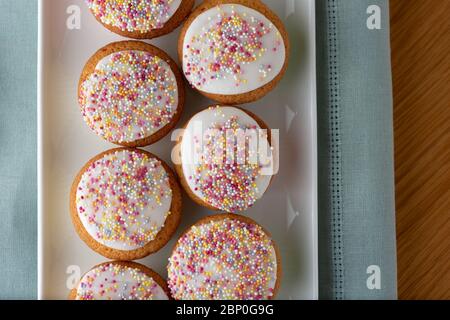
118, 198
113, 281
227, 185
224, 259
222, 50
134, 15
129, 96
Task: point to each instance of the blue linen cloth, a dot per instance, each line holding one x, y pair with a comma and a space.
357, 243
18, 146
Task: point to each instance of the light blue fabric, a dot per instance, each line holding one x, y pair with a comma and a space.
18, 192
355, 149
356, 177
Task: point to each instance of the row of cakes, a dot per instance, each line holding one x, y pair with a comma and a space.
126, 203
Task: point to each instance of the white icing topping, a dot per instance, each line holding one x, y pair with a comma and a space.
116, 282
130, 96
229, 183
123, 199
232, 49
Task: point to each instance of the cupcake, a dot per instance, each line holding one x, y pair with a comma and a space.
120, 280
225, 161
233, 51
140, 19
224, 257
131, 93
125, 204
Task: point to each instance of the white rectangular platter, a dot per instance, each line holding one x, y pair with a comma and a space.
288, 209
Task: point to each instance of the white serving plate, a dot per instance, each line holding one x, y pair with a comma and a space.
65, 143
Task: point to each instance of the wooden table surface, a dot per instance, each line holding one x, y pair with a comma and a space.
420, 38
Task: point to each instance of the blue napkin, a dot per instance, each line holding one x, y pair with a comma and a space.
18, 180
357, 254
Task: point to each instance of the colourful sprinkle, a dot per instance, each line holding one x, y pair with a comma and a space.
130, 96
223, 260
134, 15
222, 49
224, 182
124, 198
112, 281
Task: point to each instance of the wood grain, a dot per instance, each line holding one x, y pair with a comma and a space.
420, 39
